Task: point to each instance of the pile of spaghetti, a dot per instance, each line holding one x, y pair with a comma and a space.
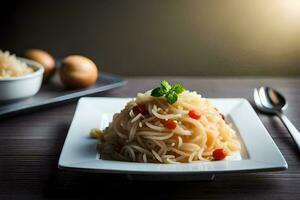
150, 129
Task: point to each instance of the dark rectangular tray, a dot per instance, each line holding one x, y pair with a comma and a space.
53, 92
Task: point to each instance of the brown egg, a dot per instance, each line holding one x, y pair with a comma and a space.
44, 58
78, 72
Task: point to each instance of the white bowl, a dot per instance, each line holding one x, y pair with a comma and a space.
22, 86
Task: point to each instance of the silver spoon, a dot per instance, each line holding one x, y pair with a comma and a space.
270, 101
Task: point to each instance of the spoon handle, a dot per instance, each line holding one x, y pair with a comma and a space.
291, 128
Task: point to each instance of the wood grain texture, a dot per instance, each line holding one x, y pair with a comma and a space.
30, 146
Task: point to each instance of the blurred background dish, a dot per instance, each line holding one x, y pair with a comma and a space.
13, 88
78, 72
44, 58
21, 78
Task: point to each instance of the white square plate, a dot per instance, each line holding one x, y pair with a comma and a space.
259, 152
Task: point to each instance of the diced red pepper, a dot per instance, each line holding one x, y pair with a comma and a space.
223, 117
194, 115
219, 154
170, 124
140, 109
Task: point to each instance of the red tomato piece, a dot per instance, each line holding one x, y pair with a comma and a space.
223, 117
170, 124
194, 115
139, 109
219, 154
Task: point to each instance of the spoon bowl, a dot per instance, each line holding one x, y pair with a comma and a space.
259, 105
271, 101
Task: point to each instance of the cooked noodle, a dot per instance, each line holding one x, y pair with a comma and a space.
143, 137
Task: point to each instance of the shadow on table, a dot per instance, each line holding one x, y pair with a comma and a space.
285, 138
65, 184
277, 130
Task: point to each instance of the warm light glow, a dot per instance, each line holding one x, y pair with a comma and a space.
291, 8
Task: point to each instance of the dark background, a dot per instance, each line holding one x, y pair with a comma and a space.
161, 37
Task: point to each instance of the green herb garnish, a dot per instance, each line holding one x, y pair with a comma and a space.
168, 91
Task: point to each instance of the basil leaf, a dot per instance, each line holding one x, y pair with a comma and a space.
165, 85
169, 92
178, 88
157, 92
171, 97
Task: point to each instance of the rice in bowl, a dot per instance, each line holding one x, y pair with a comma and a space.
10, 66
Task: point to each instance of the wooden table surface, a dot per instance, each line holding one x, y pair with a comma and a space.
30, 145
